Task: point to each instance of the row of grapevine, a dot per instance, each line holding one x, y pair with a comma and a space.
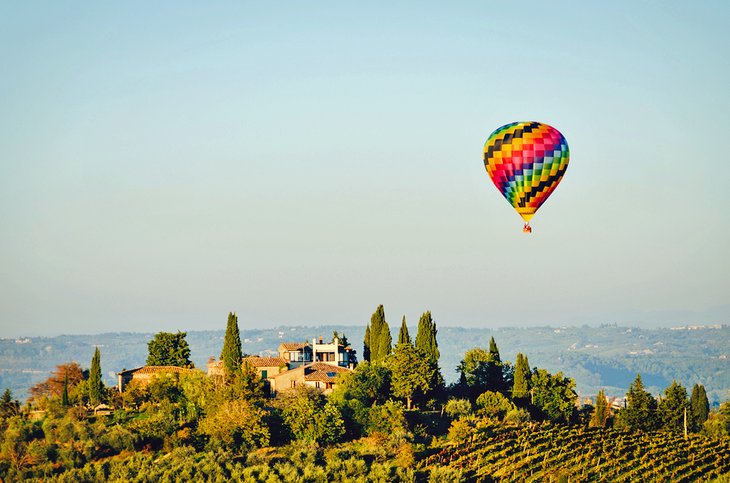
540, 451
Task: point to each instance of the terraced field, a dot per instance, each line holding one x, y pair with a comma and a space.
540, 452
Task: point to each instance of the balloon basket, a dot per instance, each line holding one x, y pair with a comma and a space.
527, 228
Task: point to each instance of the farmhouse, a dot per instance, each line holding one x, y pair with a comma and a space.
145, 374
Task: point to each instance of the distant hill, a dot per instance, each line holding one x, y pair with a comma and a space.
596, 357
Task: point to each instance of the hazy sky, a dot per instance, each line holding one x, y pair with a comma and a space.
302, 162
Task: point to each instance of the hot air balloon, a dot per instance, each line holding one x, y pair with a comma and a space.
526, 161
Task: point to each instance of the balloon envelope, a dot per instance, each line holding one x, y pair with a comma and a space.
526, 161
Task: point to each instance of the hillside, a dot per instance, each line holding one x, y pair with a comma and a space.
596, 357
542, 452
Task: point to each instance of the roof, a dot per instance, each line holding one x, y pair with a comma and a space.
320, 371
259, 361
292, 346
156, 370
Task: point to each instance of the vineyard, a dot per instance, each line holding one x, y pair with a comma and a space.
540, 452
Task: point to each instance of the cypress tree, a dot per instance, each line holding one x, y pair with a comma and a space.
495, 377
403, 336
672, 407
426, 337
521, 387
380, 338
640, 412
64, 395
231, 354
95, 384
600, 412
366, 344
699, 406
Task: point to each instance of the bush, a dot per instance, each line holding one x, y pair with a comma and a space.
494, 404
457, 408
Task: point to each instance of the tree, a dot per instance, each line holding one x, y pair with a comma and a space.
53, 386
366, 345
699, 407
167, 349
673, 406
553, 396
479, 372
521, 385
412, 371
378, 337
232, 353
403, 336
64, 395
238, 425
95, 385
8, 406
601, 412
494, 368
640, 412
426, 337
494, 404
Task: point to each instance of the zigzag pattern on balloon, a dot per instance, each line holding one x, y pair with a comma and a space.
526, 161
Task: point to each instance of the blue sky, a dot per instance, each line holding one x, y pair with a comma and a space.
303, 162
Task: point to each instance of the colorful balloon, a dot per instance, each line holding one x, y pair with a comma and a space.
526, 161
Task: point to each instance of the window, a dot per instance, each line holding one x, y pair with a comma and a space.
294, 383
264, 374
317, 384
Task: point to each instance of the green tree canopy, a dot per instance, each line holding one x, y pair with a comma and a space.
167, 349
378, 339
700, 407
426, 337
553, 395
95, 385
494, 404
600, 415
672, 407
641, 409
413, 372
521, 385
232, 353
403, 336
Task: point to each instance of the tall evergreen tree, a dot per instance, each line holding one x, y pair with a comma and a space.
94, 384
495, 375
641, 410
521, 385
600, 412
699, 406
64, 394
426, 337
403, 336
380, 338
673, 406
232, 353
366, 344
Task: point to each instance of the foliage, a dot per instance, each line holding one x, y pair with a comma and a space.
699, 407
641, 410
494, 404
377, 336
480, 371
9, 407
232, 353
167, 349
426, 337
310, 417
53, 386
672, 407
553, 396
601, 411
413, 373
403, 336
521, 385
238, 426
95, 386
457, 408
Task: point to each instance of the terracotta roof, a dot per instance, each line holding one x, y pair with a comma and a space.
156, 370
259, 361
292, 346
320, 371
